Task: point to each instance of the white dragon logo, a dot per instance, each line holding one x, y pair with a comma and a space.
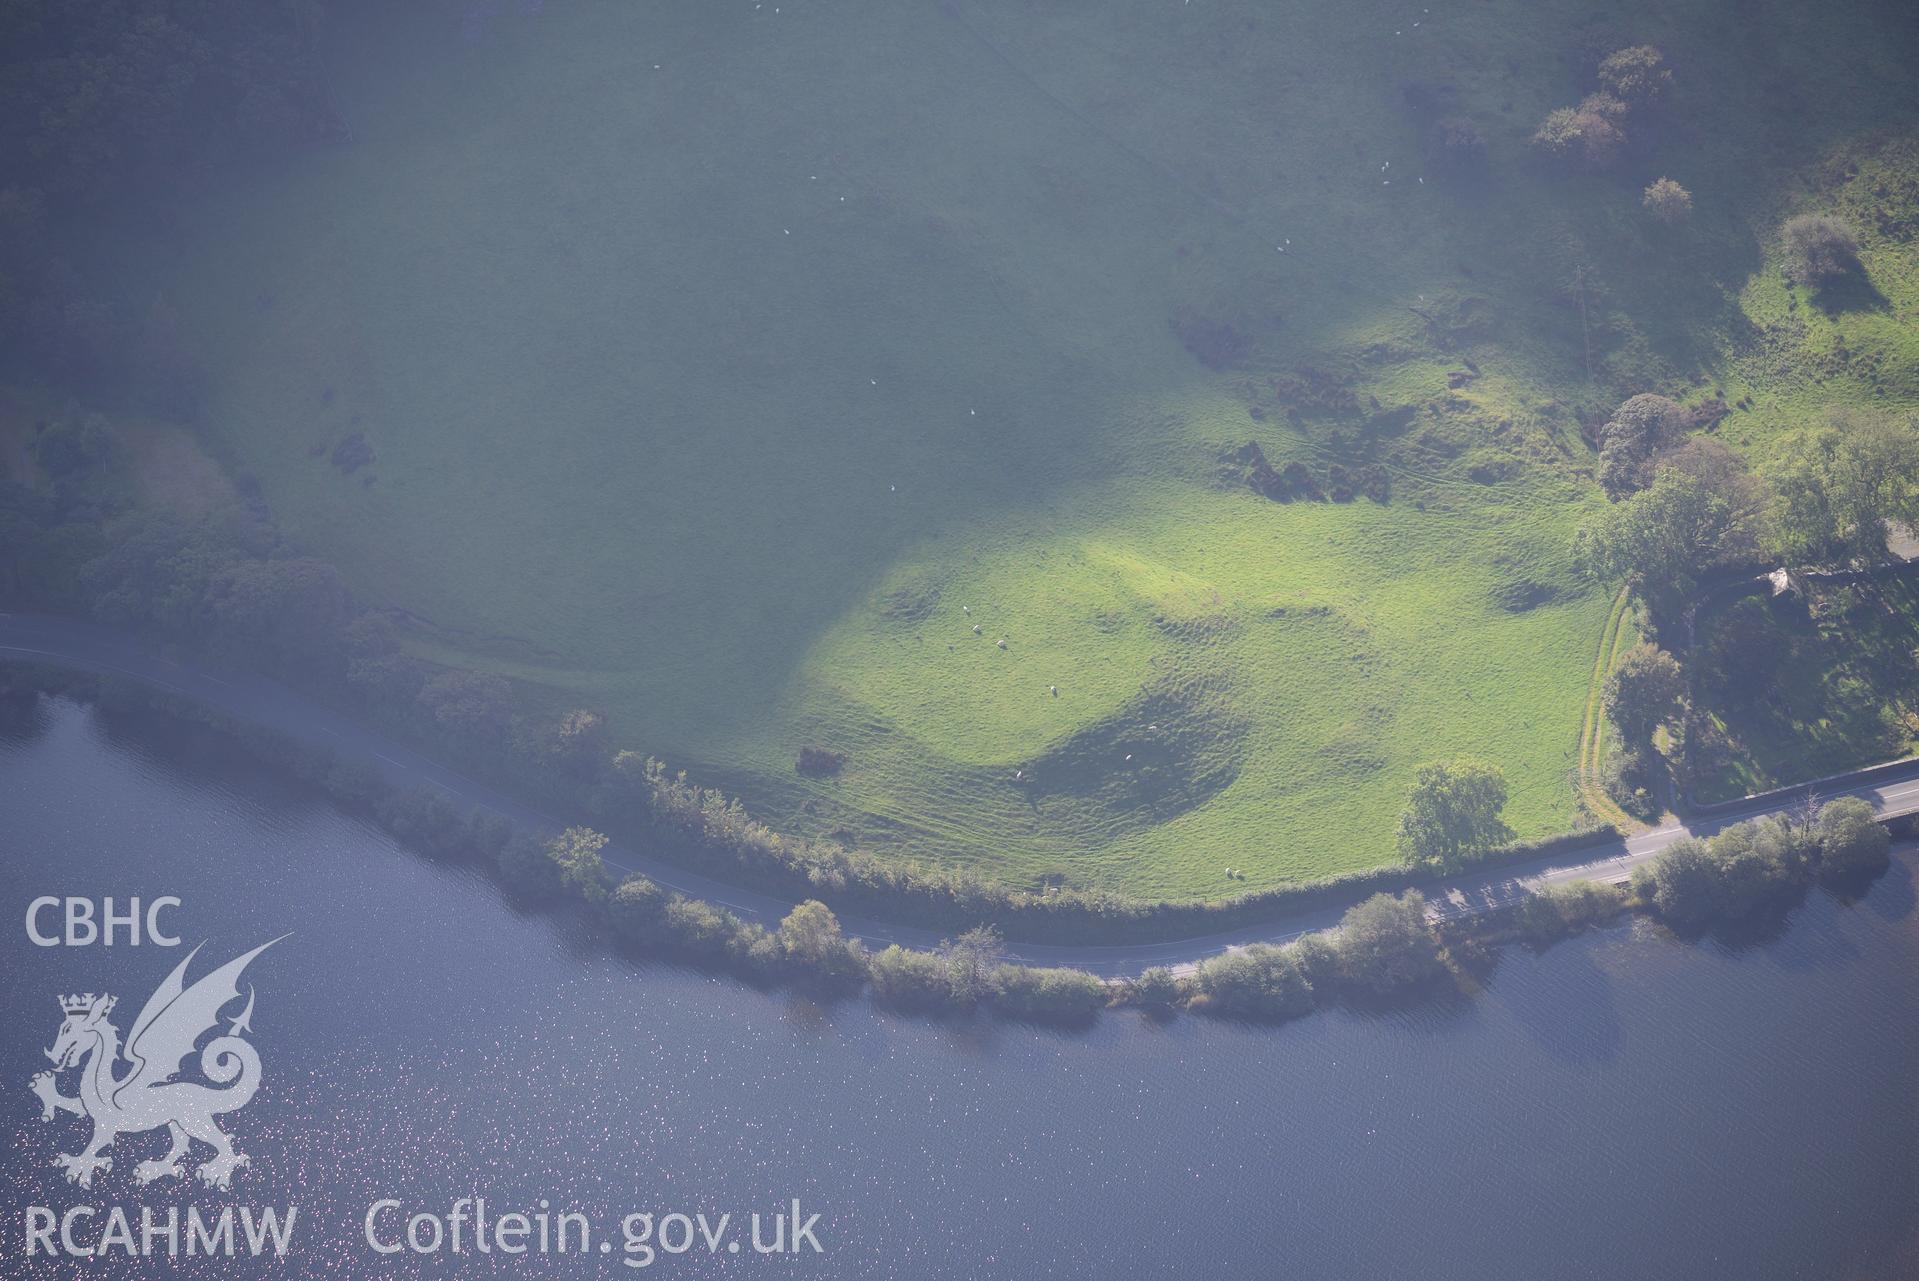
148, 1097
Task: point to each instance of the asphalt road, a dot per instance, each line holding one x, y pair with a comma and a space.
89, 647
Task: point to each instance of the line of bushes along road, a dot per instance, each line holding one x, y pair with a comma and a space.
1386, 948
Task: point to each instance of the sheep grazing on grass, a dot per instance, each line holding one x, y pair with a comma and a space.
1053, 690
975, 629
1001, 642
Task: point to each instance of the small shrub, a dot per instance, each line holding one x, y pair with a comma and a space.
1819, 249
1048, 995
1667, 201
1637, 77
1156, 989
907, 979
1256, 981
819, 762
1318, 958
1588, 136
698, 928
1561, 911
1852, 843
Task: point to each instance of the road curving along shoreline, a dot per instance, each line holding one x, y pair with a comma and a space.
1892, 790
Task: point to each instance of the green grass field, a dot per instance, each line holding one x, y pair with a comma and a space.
717, 361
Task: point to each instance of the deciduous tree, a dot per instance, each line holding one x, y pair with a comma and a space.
1386, 944
1819, 248
1453, 812
1659, 541
1851, 841
1837, 487
1643, 692
1667, 201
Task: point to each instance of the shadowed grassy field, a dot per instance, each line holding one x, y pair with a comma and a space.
724, 368
1802, 688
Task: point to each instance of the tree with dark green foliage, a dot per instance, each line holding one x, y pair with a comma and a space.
1387, 945
1632, 439
1560, 911
1682, 883
1837, 487
1659, 541
1852, 842
1452, 813
1726, 473
1632, 777
421, 818
636, 909
158, 571
376, 664
1758, 863
291, 612
1741, 871
1643, 692
468, 702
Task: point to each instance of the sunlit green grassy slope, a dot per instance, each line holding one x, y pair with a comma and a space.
719, 359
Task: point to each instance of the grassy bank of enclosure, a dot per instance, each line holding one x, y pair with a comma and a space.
726, 371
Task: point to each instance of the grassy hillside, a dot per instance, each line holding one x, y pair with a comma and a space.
710, 364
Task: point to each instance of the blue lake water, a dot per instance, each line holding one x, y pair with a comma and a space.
1623, 1106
